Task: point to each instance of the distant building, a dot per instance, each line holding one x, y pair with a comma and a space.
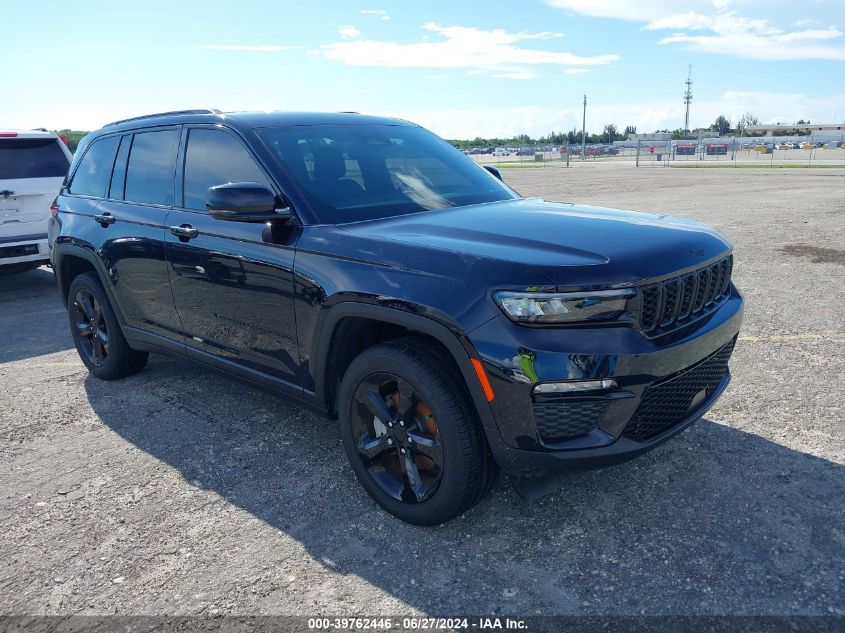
818, 131
654, 136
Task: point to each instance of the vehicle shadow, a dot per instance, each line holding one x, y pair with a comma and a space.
32, 317
714, 521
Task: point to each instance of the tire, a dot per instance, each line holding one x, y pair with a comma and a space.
96, 331
412, 384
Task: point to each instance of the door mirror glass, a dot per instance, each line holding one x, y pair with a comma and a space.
246, 202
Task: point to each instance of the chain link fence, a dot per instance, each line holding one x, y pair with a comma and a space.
761, 151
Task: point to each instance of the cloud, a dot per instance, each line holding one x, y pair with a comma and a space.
688, 21
348, 32
751, 42
373, 12
640, 11
461, 47
259, 48
515, 75
709, 27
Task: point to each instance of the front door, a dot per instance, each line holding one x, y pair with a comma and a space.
232, 282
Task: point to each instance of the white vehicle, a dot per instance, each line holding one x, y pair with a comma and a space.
33, 164
501, 151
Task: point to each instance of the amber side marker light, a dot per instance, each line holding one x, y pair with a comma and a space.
482, 378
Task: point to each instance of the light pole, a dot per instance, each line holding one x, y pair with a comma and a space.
583, 130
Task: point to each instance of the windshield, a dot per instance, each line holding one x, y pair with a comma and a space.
362, 172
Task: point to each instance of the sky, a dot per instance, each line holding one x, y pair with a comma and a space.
462, 69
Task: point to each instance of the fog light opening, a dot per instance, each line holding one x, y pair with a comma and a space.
572, 386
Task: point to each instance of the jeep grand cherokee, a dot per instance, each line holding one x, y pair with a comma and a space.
371, 271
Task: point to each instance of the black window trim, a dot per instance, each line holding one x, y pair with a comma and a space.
180, 164
124, 138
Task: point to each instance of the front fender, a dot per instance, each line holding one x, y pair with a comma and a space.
457, 344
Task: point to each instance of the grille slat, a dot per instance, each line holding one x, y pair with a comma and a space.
687, 295
676, 301
729, 263
560, 421
668, 402
670, 302
715, 282
651, 301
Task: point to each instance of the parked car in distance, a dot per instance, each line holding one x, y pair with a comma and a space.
33, 164
502, 151
371, 271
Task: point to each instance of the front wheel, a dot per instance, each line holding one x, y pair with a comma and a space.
409, 434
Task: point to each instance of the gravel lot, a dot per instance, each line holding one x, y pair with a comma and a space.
180, 492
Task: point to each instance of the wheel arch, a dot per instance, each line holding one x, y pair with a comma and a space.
332, 356
71, 260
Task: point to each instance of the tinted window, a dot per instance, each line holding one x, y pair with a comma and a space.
149, 175
215, 158
94, 169
361, 172
32, 158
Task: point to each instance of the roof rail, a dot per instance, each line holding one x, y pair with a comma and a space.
173, 112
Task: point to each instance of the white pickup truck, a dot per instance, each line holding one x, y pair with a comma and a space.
33, 164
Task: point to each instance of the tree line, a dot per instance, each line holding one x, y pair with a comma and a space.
72, 137
722, 126
609, 134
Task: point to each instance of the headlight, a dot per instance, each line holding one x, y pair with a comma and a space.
565, 307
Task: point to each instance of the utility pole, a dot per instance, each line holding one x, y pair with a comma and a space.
583, 130
687, 100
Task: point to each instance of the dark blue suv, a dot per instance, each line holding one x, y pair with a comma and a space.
371, 271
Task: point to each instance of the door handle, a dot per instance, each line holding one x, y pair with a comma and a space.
184, 231
105, 218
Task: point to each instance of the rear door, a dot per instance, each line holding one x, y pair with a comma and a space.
131, 225
32, 169
232, 281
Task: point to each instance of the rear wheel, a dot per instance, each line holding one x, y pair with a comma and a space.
96, 331
409, 434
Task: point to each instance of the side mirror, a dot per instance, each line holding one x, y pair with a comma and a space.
246, 202
494, 171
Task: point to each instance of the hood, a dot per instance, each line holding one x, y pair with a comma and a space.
572, 245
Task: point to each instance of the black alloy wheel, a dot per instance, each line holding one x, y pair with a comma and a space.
396, 437
90, 323
96, 331
410, 434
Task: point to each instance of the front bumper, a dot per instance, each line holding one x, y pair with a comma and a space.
518, 357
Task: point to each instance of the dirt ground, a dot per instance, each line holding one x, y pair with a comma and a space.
178, 491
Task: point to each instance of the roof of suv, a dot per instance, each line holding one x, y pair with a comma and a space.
251, 119
11, 133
